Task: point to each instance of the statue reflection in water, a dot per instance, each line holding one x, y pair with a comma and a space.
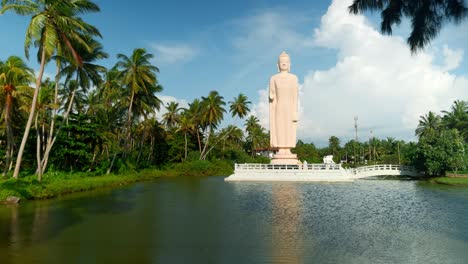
287, 240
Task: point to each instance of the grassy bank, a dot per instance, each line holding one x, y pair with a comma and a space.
60, 183
451, 181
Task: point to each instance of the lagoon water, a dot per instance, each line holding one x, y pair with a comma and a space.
205, 220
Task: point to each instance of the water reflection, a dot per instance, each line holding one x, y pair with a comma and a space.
205, 220
287, 240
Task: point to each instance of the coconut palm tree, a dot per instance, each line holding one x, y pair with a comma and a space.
44, 108
212, 114
239, 106
138, 77
428, 125
171, 117
427, 16
186, 126
334, 146
457, 118
195, 114
15, 77
55, 26
254, 133
87, 74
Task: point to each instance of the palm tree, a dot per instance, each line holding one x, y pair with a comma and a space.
253, 128
15, 77
54, 26
457, 118
87, 74
171, 117
428, 125
195, 113
212, 114
239, 106
186, 125
44, 108
427, 16
138, 76
334, 145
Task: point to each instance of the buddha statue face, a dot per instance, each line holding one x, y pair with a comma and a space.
284, 62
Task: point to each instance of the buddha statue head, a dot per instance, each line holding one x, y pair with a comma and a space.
284, 62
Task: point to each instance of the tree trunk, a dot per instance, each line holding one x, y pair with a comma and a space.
112, 164
129, 120
38, 151
31, 116
54, 113
45, 159
9, 130
214, 145
202, 155
185, 136
199, 141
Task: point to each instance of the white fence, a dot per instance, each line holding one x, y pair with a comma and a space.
263, 167
334, 169
383, 170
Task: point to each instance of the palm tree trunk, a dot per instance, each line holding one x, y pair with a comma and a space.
45, 159
129, 120
31, 116
38, 150
112, 164
221, 139
199, 141
9, 130
185, 136
202, 156
54, 112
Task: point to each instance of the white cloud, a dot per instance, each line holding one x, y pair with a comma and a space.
375, 77
176, 53
452, 58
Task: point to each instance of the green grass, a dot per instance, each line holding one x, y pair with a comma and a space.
60, 183
451, 181
458, 172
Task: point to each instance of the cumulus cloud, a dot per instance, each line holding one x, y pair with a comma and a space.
176, 53
375, 77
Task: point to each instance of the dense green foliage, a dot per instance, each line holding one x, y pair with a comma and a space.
443, 141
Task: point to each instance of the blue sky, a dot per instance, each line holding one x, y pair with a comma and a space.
232, 47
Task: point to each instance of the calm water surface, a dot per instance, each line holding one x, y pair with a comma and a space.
205, 220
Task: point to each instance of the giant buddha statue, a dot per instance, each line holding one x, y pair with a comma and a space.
283, 94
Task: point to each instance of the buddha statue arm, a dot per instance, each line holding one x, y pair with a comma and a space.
295, 101
272, 91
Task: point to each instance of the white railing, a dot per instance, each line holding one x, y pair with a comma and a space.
384, 167
360, 172
262, 167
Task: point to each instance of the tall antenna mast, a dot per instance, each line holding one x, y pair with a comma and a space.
355, 142
356, 126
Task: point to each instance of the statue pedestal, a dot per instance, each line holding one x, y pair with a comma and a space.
284, 156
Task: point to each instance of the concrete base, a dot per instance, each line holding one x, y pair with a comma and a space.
285, 157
